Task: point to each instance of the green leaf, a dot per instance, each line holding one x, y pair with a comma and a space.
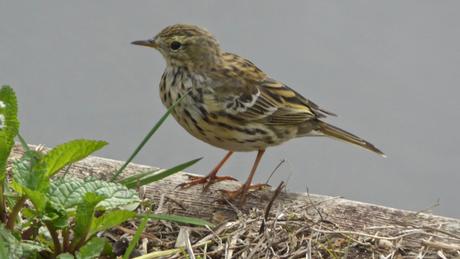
68, 192
29, 171
29, 178
85, 211
156, 175
10, 247
179, 219
57, 215
92, 249
65, 256
69, 153
9, 125
111, 219
37, 198
31, 248
4, 252
136, 238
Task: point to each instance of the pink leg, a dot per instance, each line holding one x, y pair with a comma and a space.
243, 190
211, 177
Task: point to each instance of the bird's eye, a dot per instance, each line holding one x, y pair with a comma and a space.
175, 45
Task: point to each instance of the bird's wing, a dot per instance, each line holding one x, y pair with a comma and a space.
250, 95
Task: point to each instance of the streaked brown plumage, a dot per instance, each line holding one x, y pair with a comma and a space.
232, 104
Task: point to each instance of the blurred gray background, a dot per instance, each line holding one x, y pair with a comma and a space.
390, 69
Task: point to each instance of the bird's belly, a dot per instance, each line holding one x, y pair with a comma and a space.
226, 134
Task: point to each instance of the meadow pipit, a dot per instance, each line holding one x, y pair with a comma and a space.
231, 103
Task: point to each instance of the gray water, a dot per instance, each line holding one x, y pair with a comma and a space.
390, 69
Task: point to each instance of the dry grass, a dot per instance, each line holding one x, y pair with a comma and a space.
289, 232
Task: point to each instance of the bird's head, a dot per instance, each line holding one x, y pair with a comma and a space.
185, 45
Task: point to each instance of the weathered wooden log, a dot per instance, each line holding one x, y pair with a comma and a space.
348, 217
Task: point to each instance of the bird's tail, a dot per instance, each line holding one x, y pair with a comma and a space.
340, 134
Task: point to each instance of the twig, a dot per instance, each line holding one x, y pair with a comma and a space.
314, 205
230, 248
176, 202
269, 206
274, 170
413, 232
441, 231
441, 245
160, 204
188, 246
143, 235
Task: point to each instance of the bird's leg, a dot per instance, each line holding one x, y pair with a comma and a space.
211, 177
243, 190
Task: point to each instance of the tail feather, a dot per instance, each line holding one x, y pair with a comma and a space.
340, 134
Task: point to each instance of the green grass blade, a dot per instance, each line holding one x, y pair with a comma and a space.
136, 238
23, 142
156, 175
137, 177
180, 219
147, 137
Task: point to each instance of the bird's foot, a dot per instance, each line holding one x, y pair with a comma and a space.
206, 180
243, 191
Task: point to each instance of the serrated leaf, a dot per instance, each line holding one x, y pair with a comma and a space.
29, 172
84, 216
29, 178
155, 175
9, 125
31, 248
111, 219
69, 153
68, 192
179, 219
10, 247
92, 249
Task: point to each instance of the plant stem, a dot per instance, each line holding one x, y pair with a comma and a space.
54, 236
74, 246
77, 243
65, 239
19, 203
2, 202
31, 232
14, 213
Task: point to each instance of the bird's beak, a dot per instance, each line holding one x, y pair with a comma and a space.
146, 43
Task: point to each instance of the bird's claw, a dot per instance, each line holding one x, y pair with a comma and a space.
206, 180
243, 191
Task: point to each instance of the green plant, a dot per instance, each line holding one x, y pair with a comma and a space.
59, 217
9, 127
65, 208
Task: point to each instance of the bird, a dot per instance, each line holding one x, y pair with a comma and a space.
228, 102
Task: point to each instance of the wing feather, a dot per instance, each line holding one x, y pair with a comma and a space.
256, 97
